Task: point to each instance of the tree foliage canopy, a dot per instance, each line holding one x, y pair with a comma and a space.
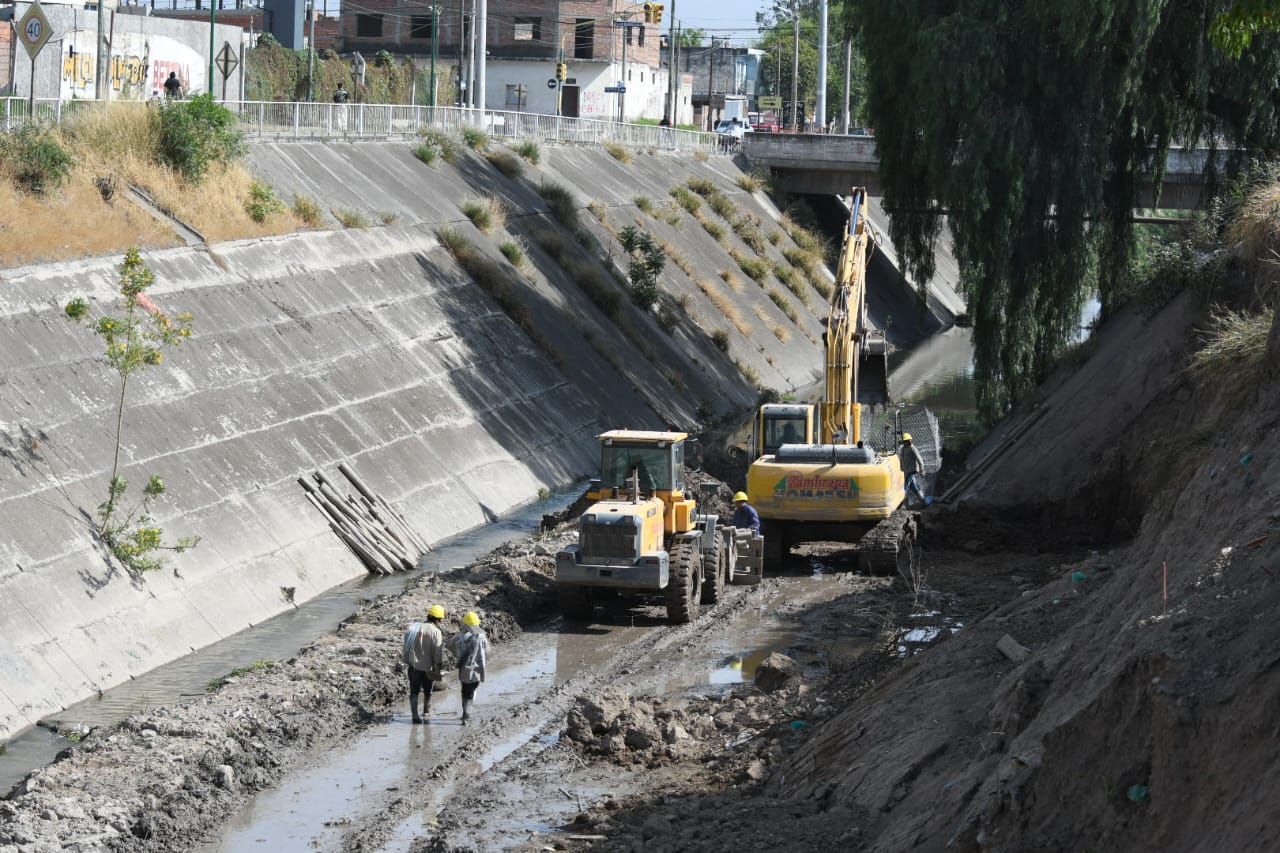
1035, 127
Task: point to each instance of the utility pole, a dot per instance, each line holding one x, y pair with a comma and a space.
848, 79
471, 59
820, 105
622, 82
482, 50
672, 88
711, 83
100, 62
435, 41
213, 11
795, 68
311, 53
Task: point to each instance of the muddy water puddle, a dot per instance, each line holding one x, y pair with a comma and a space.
314, 807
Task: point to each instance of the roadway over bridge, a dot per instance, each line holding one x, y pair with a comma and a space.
820, 164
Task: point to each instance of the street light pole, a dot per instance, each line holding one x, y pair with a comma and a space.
213, 10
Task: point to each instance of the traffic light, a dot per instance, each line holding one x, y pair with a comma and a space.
562, 71
648, 13
657, 12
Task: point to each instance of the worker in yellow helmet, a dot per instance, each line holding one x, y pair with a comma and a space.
471, 647
423, 655
744, 514
913, 469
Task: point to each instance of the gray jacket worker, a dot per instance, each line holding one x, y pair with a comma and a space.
471, 648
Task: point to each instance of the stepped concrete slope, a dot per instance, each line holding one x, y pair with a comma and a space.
366, 346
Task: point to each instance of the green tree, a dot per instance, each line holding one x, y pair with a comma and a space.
1036, 128
778, 43
133, 340
645, 263
1233, 30
693, 37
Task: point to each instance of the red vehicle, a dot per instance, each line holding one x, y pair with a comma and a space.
764, 122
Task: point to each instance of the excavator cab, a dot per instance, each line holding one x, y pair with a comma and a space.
781, 423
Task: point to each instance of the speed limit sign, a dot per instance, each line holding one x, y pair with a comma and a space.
34, 29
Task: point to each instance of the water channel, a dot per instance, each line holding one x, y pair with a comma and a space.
275, 639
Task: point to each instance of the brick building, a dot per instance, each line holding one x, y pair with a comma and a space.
526, 38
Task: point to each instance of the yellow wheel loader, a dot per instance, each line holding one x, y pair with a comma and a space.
825, 485
643, 534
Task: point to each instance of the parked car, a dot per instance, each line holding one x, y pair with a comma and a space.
734, 127
729, 133
763, 122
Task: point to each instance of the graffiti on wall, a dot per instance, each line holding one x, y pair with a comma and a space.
137, 68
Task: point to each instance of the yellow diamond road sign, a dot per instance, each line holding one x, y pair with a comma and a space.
34, 30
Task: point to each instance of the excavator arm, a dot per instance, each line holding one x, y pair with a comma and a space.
857, 356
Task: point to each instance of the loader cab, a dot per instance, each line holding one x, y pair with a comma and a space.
656, 458
781, 423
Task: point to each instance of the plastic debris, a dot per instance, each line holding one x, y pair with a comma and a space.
1138, 793
1246, 459
1077, 577
797, 725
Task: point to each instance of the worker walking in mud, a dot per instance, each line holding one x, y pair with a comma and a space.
470, 647
745, 516
913, 469
424, 656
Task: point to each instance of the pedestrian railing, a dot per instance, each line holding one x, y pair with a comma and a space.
284, 120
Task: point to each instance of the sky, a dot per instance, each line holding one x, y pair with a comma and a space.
731, 19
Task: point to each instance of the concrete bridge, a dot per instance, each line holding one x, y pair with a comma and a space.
819, 164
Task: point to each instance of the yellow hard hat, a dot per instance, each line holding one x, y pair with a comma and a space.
906, 436
471, 618
436, 612
740, 496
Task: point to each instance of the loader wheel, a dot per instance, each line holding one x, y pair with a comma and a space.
682, 590
715, 570
575, 602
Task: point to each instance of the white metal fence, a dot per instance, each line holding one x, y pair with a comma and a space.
283, 120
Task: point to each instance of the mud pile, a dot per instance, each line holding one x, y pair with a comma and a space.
738, 732
160, 780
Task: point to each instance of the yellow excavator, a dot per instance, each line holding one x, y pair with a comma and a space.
824, 484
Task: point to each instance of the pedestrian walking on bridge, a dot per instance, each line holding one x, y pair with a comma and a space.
423, 655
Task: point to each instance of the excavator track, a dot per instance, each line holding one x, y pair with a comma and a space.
886, 548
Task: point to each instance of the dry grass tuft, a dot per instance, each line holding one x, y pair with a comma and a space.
725, 306
619, 152
1234, 351
506, 162
485, 213
678, 258
731, 278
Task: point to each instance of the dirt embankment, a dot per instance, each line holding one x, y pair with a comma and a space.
1129, 703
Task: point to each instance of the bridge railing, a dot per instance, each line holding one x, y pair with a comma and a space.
288, 120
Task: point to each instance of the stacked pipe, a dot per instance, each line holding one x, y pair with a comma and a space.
374, 530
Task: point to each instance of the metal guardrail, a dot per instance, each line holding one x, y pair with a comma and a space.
284, 120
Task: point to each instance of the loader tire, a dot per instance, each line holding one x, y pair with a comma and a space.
575, 602
715, 571
682, 589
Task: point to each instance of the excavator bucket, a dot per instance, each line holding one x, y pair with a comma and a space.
873, 371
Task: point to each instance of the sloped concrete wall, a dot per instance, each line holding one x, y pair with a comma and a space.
367, 346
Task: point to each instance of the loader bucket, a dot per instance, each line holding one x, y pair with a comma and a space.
873, 371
